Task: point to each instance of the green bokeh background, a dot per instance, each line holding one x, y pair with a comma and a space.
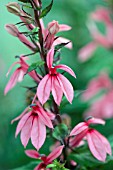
72, 12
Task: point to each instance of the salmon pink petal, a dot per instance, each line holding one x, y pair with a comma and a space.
44, 88
35, 76
50, 56
54, 154
95, 121
74, 142
26, 131
13, 80
22, 122
96, 146
66, 68
86, 52
79, 128
41, 166
107, 146
11, 67
51, 115
32, 154
38, 133
56, 90
20, 116
64, 27
60, 40
45, 118
66, 87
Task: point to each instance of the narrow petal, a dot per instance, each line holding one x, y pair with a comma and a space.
54, 154
26, 131
96, 146
86, 52
32, 154
79, 128
45, 118
44, 88
50, 56
106, 143
13, 80
20, 116
63, 40
74, 142
95, 121
66, 87
66, 68
11, 67
64, 27
41, 166
22, 123
56, 90
38, 133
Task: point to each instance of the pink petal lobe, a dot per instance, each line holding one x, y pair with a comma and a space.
32, 154
41, 166
106, 143
45, 118
86, 52
38, 133
66, 87
96, 146
63, 40
50, 56
26, 131
20, 116
44, 88
54, 154
95, 121
56, 90
79, 128
22, 123
66, 68
64, 27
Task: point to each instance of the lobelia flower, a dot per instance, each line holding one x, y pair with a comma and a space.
14, 8
103, 15
97, 84
55, 82
33, 124
98, 144
49, 34
46, 159
12, 29
102, 107
19, 73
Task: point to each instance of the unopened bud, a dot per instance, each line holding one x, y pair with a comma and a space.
14, 8
12, 29
53, 27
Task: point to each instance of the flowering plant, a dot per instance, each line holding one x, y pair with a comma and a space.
43, 117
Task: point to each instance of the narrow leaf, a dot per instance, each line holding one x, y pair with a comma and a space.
46, 10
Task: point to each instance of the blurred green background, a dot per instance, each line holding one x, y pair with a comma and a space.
72, 12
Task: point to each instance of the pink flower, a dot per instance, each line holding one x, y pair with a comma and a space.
19, 73
102, 107
55, 82
46, 159
98, 144
12, 29
97, 84
51, 30
33, 124
101, 14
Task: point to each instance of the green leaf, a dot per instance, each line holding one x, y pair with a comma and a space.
50, 166
46, 10
34, 66
59, 46
60, 131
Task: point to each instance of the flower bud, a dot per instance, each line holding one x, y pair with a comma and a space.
11, 29
14, 8
53, 27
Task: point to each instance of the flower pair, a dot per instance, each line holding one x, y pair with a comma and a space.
98, 144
